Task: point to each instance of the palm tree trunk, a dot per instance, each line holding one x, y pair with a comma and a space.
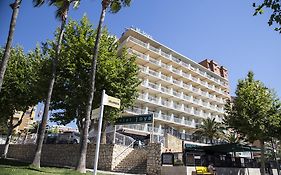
15, 6
262, 158
42, 130
81, 164
8, 139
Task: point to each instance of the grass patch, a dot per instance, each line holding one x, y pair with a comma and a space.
11, 167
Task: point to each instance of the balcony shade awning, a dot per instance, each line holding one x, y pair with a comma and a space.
225, 148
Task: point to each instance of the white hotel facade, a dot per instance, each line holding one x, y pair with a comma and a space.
178, 91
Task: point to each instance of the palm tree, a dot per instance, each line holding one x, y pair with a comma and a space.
62, 14
15, 6
114, 6
209, 129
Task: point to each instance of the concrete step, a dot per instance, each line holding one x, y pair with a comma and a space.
135, 162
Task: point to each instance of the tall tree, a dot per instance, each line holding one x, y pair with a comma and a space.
114, 7
19, 89
253, 113
116, 73
209, 129
275, 7
5, 58
62, 14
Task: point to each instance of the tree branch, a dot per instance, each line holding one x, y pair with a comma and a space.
20, 120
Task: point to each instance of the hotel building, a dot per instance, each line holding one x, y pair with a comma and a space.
178, 91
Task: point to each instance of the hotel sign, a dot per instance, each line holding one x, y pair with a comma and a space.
135, 119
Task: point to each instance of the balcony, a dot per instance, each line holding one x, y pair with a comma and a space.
152, 60
153, 86
187, 86
177, 94
165, 103
186, 97
138, 54
176, 71
136, 110
177, 106
178, 120
197, 70
138, 42
154, 73
177, 82
142, 96
165, 66
165, 55
154, 49
165, 90
164, 77
176, 60
152, 99
195, 90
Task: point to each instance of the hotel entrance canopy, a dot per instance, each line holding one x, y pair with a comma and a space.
225, 148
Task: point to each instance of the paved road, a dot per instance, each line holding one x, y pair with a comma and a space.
112, 173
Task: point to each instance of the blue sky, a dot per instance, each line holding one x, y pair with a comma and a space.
225, 31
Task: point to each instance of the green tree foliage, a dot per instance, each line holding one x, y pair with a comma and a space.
253, 112
232, 137
274, 7
116, 73
209, 129
19, 90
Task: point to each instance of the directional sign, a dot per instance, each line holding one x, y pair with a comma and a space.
95, 113
111, 101
135, 119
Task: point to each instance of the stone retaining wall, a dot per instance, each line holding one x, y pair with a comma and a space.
154, 158
67, 154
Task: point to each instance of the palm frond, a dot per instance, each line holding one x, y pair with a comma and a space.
38, 3
116, 5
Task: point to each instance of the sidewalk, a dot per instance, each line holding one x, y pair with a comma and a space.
112, 173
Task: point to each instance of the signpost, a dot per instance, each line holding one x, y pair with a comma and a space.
108, 101
95, 113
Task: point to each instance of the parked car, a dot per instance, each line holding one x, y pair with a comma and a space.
51, 138
69, 137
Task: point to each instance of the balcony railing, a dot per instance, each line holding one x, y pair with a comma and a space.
138, 54
177, 94
202, 73
164, 77
152, 85
166, 90
165, 66
165, 103
177, 120
152, 72
176, 59
138, 42
176, 71
152, 99
154, 49
136, 110
176, 82
165, 54
187, 86
152, 60
186, 97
